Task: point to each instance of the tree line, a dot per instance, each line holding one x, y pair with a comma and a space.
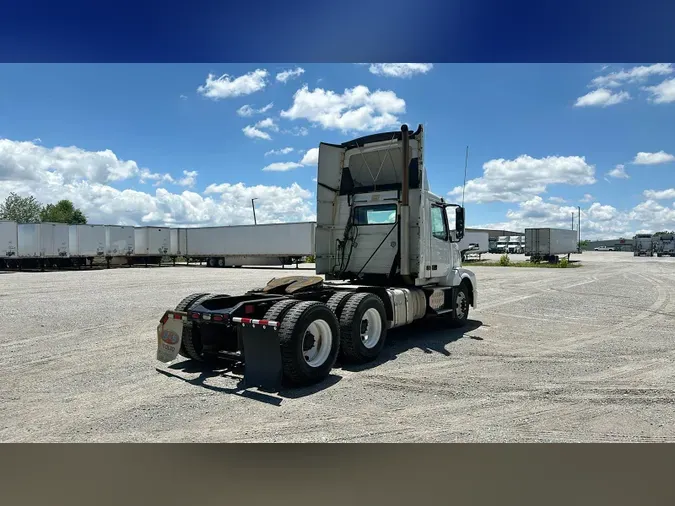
30, 210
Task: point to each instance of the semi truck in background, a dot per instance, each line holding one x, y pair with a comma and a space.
503, 244
643, 245
388, 249
664, 245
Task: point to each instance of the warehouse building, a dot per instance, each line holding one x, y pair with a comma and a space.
619, 244
494, 234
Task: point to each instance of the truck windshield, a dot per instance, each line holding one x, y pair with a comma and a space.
375, 215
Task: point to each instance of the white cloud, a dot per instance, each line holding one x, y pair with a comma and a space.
598, 221
400, 69
557, 200
287, 75
145, 175
281, 166
618, 172
668, 194
189, 178
586, 198
72, 173
26, 160
183, 97
663, 93
296, 131
311, 157
522, 178
635, 74
643, 158
357, 109
654, 216
246, 110
599, 212
267, 123
254, 133
226, 86
602, 98
282, 151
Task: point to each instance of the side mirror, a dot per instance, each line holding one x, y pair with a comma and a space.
459, 222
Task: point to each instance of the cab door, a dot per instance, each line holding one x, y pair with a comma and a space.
439, 242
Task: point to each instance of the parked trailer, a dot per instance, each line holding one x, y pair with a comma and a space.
268, 244
9, 239
119, 243
86, 242
177, 243
474, 243
643, 245
43, 244
151, 244
549, 243
665, 245
389, 258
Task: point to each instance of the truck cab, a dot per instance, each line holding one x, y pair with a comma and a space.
378, 222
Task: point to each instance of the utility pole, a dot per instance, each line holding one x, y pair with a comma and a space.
579, 227
255, 222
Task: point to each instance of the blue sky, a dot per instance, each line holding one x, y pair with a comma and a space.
144, 144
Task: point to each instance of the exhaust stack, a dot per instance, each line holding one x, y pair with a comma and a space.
405, 208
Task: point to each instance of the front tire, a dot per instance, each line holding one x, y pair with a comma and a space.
309, 336
363, 328
460, 315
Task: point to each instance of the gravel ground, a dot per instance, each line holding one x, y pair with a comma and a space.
550, 355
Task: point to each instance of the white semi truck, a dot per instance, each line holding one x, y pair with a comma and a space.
387, 248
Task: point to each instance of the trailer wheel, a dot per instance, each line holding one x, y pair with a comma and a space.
363, 328
221, 262
337, 302
184, 305
309, 336
460, 315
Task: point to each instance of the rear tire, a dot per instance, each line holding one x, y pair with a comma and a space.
363, 328
309, 336
277, 312
191, 343
337, 302
460, 315
184, 305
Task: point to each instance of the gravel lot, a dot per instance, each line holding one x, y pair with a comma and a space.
551, 355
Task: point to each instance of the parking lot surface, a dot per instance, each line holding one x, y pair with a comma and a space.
583, 355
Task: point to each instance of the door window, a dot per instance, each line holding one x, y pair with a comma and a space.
439, 227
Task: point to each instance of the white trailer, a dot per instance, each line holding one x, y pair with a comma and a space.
119, 241
474, 243
549, 243
177, 242
268, 244
9, 239
151, 244
43, 244
86, 242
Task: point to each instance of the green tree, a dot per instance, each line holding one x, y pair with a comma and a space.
20, 209
663, 233
63, 212
584, 244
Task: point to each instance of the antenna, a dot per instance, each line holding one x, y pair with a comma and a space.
466, 163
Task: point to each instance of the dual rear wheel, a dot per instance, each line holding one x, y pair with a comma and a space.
313, 335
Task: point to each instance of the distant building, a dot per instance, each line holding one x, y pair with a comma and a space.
494, 234
620, 244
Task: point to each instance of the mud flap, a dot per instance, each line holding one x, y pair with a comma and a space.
262, 356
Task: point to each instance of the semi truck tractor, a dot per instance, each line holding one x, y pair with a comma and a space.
643, 245
387, 255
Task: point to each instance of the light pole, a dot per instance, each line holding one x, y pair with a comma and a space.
255, 222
